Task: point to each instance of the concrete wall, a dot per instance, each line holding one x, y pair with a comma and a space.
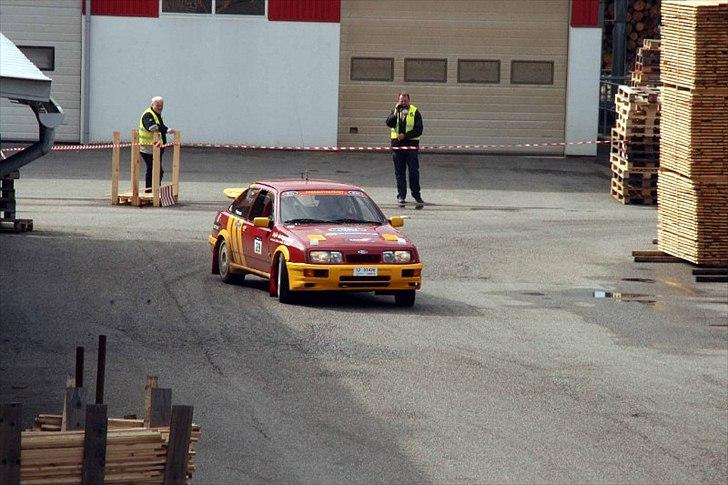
582, 89
224, 80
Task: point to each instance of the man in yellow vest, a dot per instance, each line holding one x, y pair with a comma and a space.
150, 122
405, 122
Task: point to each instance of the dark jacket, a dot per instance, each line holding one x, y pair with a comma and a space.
416, 130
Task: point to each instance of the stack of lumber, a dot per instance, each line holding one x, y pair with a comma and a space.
647, 66
635, 146
133, 453
693, 183
694, 39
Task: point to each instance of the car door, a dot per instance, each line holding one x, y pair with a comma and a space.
239, 210
256, 240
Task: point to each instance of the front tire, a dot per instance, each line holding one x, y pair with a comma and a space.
284, 290
405, 298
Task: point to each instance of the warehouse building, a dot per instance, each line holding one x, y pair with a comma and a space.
317, 72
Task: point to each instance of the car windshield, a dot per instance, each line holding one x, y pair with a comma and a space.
329, 206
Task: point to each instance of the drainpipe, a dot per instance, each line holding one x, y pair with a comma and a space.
49, 116
619, 39
86, 74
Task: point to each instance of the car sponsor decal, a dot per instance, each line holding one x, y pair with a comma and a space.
258, 245
360, 239
347, 230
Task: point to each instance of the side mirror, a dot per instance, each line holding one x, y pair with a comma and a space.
262, 221
396, 221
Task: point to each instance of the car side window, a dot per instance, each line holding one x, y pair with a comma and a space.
263, 206
241, 205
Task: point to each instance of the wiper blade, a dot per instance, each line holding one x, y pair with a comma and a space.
352, 221
303, 221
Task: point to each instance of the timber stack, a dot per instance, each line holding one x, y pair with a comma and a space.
647, 66
635, 145
693, 181
642, 21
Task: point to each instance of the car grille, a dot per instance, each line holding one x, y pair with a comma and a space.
363, 258
363, 281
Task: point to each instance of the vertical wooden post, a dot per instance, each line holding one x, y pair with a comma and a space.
175, 165
135, 167
156, 166
93, 467
101, 370
115, 169
160, 412
10, 427
180, 430
152, 383
74, 408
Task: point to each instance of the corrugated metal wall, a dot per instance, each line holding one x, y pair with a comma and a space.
45, 23
456, 112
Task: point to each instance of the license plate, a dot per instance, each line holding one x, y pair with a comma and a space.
365, 271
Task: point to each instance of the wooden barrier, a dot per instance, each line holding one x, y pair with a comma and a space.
160, 195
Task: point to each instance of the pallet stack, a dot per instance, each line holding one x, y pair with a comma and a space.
635, 146
647, 66
693, 182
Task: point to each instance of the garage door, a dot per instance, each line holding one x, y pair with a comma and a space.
48, 32
481, 72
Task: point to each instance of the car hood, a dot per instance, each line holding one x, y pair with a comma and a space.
348, 235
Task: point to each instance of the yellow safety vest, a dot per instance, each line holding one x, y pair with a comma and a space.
409, 125
146, 137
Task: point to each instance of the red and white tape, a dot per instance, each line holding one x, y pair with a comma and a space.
102, 146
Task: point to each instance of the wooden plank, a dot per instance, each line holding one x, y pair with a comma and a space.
156, 167
175, 473
160, 413
152, 383
115, 168
135, 167
176, 164
74, 409
94, 445
10, 427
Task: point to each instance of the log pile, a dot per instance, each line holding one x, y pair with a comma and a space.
647, 66
642, 22
693, 181
635, 146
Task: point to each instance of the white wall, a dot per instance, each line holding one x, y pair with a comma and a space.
582, 89
224, 80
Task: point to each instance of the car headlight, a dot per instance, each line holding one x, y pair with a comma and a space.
396, 256
325, 257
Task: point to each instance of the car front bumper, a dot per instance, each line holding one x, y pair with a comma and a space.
340, 277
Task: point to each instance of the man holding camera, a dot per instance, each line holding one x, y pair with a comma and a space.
405, 121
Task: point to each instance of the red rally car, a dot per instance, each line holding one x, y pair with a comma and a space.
313, 235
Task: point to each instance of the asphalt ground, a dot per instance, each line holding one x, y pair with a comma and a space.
513, 366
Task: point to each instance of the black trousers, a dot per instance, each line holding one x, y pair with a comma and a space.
406, 160
149, 161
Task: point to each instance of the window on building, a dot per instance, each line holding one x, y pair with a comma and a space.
372, 69
477, 71
187, 6
532, 72
425, 70
240, 7
220, 7
43, 57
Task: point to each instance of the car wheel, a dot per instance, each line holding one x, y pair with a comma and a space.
223, 263
404, 298
284, 291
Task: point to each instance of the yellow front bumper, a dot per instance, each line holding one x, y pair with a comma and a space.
390, 277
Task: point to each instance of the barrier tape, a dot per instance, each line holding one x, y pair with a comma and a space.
102, 146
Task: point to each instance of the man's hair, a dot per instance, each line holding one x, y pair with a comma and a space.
404, 94
155, 99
